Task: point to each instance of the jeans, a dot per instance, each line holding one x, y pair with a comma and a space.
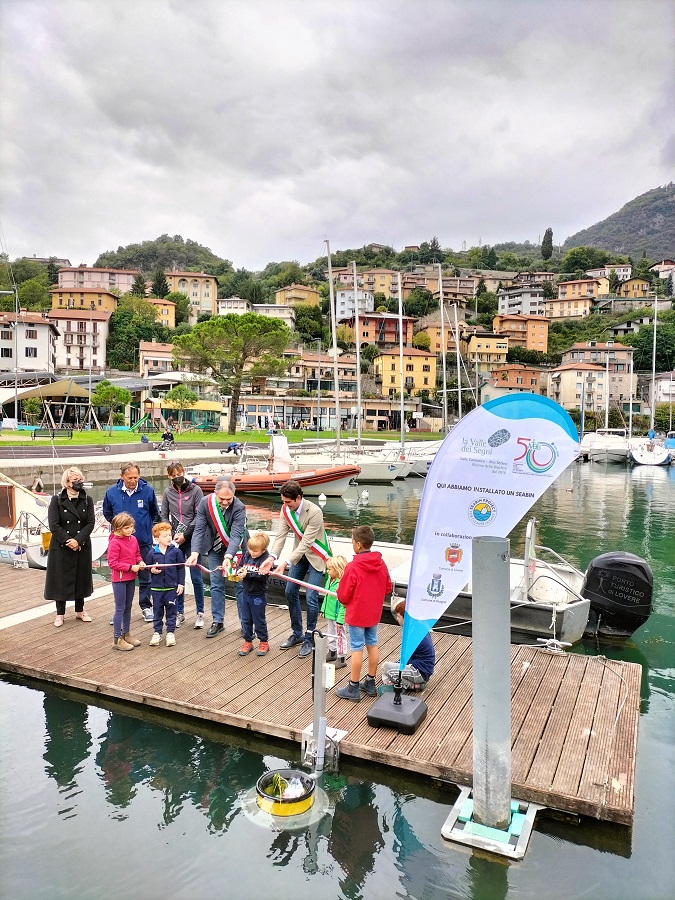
123, 593
197, 580
161, 601
304, 572
217, 586
254, 616
144, 595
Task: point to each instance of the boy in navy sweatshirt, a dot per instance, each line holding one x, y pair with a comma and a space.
167, 583
254, 594
420, 666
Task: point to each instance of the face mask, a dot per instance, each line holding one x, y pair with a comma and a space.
178, 482
77, 485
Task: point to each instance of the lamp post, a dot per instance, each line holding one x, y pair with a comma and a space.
15, 294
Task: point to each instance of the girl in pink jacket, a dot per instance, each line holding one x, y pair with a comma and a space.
124, 560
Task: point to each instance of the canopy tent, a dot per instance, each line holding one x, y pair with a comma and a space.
59, 394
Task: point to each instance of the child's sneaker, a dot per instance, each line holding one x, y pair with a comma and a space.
180, 618
171, 639
367, 685
199, 621
246, 648
155, 639
263, 648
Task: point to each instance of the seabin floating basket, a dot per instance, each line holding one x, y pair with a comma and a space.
270, 789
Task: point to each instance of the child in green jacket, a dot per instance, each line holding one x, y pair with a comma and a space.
334, 612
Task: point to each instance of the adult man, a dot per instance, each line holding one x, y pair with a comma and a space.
180, 503
307, 560
220, 530
133, 495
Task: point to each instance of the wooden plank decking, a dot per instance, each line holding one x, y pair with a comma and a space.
574, 718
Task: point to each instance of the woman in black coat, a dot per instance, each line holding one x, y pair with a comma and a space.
71, 522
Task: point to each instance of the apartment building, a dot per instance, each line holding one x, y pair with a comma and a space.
165, 311
83, 298
83, 340
533, 278
419, 371
27, 342
583, 288
615, 358
623, 272
155, 357
530, 332
200, 288
483, 350
382, 329
578, 385
634, 288
89, 277
297, 295
344, 303
235, 305
272, 311
563, 308
521, 300
513, 378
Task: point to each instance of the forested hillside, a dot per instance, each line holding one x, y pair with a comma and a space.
164, 253
646, 225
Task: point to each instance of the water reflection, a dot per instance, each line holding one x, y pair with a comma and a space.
67, 745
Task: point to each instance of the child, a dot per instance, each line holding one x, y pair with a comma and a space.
166, 584
334, 612
420, 666
124, 559
254, 597
362, 590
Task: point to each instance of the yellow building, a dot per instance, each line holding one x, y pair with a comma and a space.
297, 295
83, 298
484, 350
634, 288
435, 339
165, 311
583, 288
419, 371
201, 290
564, 308
530, 332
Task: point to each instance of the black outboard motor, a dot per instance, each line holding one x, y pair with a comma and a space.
619, 586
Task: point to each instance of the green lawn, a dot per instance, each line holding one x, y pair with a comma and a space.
95, 438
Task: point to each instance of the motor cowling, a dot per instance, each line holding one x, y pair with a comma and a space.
620, 587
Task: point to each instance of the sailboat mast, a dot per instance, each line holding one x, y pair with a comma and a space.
444, 417
357, 332
630, 412
459, 370
400, 361
606, 390
331, 296
653, 403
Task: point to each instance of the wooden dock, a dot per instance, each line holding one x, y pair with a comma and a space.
574, 718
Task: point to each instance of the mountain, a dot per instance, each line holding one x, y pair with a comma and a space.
645, 225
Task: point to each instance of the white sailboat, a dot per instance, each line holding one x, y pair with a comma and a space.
651, 453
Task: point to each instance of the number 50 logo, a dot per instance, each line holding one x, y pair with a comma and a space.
539, 456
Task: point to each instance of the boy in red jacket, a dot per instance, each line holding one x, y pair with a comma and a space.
362, 590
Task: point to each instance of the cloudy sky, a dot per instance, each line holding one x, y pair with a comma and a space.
261, 127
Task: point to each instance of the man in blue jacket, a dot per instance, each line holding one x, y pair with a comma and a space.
131, 494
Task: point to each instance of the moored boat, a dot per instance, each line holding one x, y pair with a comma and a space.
332, 481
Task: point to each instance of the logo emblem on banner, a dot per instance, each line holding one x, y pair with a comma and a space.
435, 588
482, 512
454, 554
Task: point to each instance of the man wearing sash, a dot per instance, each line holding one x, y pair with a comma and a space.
304, 520
220, 530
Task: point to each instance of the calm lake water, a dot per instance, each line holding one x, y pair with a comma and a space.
99, 801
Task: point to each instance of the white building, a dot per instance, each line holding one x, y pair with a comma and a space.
524, 300
83, 338
623, 271
30, 346
344, 302
285, 313
89, 277
236, 305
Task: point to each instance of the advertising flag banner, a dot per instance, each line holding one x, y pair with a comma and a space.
486, 475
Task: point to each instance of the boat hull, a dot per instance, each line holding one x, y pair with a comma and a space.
37, 556
643, 456
333, 482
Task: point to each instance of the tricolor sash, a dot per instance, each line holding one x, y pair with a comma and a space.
320, 546
218, 519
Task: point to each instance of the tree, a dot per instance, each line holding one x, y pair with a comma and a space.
133, 321
110, 397
669, 284
548, 289
182, 302
32, 409
344, 336
370, 352
579, 259
308, 322
52, 271
547, 244
421, 341
613, 281
34, 294
232, 348
180, 398
138, 286
160, 286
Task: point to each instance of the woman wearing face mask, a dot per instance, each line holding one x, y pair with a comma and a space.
179, 507
71, 522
